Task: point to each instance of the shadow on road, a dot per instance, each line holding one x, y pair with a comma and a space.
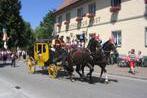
94, 80
64, 75
60, 74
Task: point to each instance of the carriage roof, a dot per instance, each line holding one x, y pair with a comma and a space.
44, 40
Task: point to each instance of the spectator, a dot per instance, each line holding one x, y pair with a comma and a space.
132, 60
139, 59
24, 54
13, 56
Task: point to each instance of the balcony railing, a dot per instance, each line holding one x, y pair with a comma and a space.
66, 22
114, 9
79, 19
90, 15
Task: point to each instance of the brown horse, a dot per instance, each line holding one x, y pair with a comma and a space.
101, 56
80, 58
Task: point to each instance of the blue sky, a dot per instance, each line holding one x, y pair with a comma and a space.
33, 11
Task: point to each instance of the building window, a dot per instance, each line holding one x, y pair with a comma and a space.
92, 8
117, 38
68, 16
146, 37
115, 2
79, 12
60, 19
59, 23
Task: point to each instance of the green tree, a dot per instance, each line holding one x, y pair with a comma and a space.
45, 29
18, 30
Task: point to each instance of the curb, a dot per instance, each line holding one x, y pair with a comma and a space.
141, 78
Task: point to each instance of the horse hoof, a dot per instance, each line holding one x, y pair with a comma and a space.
106, 81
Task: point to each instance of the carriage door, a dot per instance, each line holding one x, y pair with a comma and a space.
40, 54
45, 51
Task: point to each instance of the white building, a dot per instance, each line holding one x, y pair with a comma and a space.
126, 20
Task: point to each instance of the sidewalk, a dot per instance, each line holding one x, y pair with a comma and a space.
141, 72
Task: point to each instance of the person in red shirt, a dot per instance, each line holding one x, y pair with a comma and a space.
132, 60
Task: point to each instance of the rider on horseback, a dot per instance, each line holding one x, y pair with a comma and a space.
55, 46
59, 53
94, 43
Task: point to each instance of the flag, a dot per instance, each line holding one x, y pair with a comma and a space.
5, 37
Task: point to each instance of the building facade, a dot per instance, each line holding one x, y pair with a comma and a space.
124, 20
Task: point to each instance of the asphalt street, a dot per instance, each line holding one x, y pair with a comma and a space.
18, 83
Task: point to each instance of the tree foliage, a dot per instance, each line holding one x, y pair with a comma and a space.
18, 30
45, 29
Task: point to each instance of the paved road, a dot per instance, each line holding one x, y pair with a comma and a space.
20, 84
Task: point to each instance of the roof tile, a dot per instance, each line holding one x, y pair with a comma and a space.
67, 3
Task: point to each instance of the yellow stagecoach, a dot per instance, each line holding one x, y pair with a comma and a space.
42, 58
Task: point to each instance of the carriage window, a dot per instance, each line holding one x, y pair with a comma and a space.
117, 38
39, 48
44, 49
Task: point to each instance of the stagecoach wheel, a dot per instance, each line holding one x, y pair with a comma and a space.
52, 71
31, 68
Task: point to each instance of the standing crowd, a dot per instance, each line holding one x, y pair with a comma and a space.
11, 56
